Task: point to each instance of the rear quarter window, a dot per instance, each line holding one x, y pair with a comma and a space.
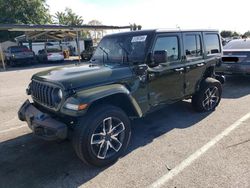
18, 49
212, 43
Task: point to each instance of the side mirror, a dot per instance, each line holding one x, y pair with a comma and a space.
160, 56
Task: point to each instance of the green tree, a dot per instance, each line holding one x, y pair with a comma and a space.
22, 12
235, 34
247, 33
68, 17
134, 27
226, 34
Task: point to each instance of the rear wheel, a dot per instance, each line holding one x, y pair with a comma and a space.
103, 136
208, 97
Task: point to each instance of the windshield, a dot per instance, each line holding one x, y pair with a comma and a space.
121, 49
238, 44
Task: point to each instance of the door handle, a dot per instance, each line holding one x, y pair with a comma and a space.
179, 70
200, 64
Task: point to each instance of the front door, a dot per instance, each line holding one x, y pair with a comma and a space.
166, 81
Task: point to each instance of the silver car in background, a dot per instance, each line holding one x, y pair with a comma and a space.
50, 55
236, 58
16, 55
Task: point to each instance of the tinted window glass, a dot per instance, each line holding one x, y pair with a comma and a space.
122, 48
212, 43
170, 44
53, 50
15, 49
192, 46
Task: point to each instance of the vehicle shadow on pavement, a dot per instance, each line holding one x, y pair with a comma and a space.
177, 116
27, 161
30, 162
236, 87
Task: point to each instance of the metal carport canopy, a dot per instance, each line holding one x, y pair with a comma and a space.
28, 28
33, 27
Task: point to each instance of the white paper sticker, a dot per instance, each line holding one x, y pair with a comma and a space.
141, 38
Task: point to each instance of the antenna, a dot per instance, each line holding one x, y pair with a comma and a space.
178, 27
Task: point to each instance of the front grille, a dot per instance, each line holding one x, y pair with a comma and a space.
44, 94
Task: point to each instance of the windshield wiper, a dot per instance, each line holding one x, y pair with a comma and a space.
105, 52
125, 50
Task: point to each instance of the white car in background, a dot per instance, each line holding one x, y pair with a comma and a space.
50, 55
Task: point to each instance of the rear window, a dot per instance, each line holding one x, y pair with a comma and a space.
212, 43
238, 44
16, 49
53, 50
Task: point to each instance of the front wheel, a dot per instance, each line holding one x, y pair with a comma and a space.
103, 136
208, 97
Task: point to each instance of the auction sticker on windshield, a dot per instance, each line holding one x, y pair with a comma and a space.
141, 38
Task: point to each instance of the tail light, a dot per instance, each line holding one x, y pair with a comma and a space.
26, 50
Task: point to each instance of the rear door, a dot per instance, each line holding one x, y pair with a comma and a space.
166, 81
193, 59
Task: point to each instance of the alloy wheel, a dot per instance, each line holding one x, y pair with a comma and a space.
108, 138
211, 98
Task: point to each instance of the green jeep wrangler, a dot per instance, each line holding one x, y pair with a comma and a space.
130, 75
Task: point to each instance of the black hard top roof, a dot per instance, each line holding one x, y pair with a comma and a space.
151, 31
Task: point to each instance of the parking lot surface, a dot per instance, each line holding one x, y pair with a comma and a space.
161, 142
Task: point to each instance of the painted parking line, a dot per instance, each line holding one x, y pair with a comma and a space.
12, 129
179, 168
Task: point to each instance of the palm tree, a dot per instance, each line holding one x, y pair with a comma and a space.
68, 17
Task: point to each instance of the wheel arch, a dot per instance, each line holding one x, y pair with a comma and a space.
116, 95
209, 72
121, 100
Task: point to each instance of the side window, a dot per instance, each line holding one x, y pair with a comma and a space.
192, 46
212, 43
170, 44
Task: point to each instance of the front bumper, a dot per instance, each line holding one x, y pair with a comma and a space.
23, 60
55, 58
42, 124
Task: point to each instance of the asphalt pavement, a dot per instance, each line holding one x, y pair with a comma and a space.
161, 143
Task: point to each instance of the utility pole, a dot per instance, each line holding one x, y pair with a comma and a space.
78, 46
1, 53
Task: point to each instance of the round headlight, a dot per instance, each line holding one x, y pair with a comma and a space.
60, 94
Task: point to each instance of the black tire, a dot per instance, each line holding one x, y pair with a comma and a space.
12, 63
208, 97
89, 141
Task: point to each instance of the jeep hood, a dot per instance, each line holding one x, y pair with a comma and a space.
84, 75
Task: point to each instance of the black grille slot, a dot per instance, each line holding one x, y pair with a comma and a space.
43, 93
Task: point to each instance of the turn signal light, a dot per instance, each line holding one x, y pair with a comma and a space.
82, 106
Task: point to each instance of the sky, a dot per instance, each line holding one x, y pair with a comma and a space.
186, 14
